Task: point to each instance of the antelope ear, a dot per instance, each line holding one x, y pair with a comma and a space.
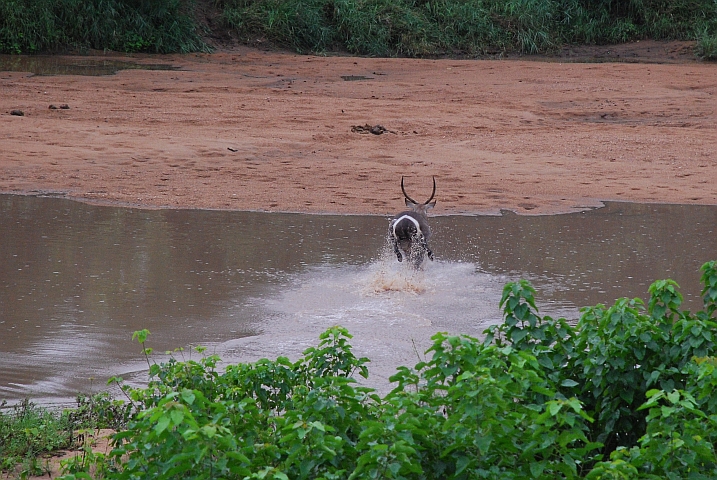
430, 205
410, 203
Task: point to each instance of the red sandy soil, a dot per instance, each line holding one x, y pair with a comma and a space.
246, 129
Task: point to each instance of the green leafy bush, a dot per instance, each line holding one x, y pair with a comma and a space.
625, 393
27, 432
617, 358
99, 411
707, 46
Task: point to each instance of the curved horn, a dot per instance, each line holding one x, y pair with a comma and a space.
406, 195
434, 191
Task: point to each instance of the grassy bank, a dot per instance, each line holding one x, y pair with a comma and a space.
159, 26
420, 27
31, 434
363, 27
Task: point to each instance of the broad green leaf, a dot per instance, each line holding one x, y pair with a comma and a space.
209, 430
177, 415
318, 426
536, 468
140, 335
461, 463
667, 411
162, 424
188, 396
483, 443
517, 334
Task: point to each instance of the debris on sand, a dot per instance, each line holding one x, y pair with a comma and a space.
375, 129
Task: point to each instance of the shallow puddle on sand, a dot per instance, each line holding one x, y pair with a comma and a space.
73, 65
76, 280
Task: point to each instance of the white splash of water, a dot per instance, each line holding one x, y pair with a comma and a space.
390, 309
387, 275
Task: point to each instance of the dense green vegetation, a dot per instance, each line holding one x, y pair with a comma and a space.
28, 433
424, 27
364, 27
160, 26
625, 393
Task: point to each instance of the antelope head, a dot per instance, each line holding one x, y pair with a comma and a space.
409, 231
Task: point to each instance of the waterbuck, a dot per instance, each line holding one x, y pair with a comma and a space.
409, 231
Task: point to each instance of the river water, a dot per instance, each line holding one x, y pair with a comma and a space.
76, 280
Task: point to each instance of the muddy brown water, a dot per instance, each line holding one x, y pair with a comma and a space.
76, 280
73, 65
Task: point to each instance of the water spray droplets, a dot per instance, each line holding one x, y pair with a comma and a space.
386, 275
